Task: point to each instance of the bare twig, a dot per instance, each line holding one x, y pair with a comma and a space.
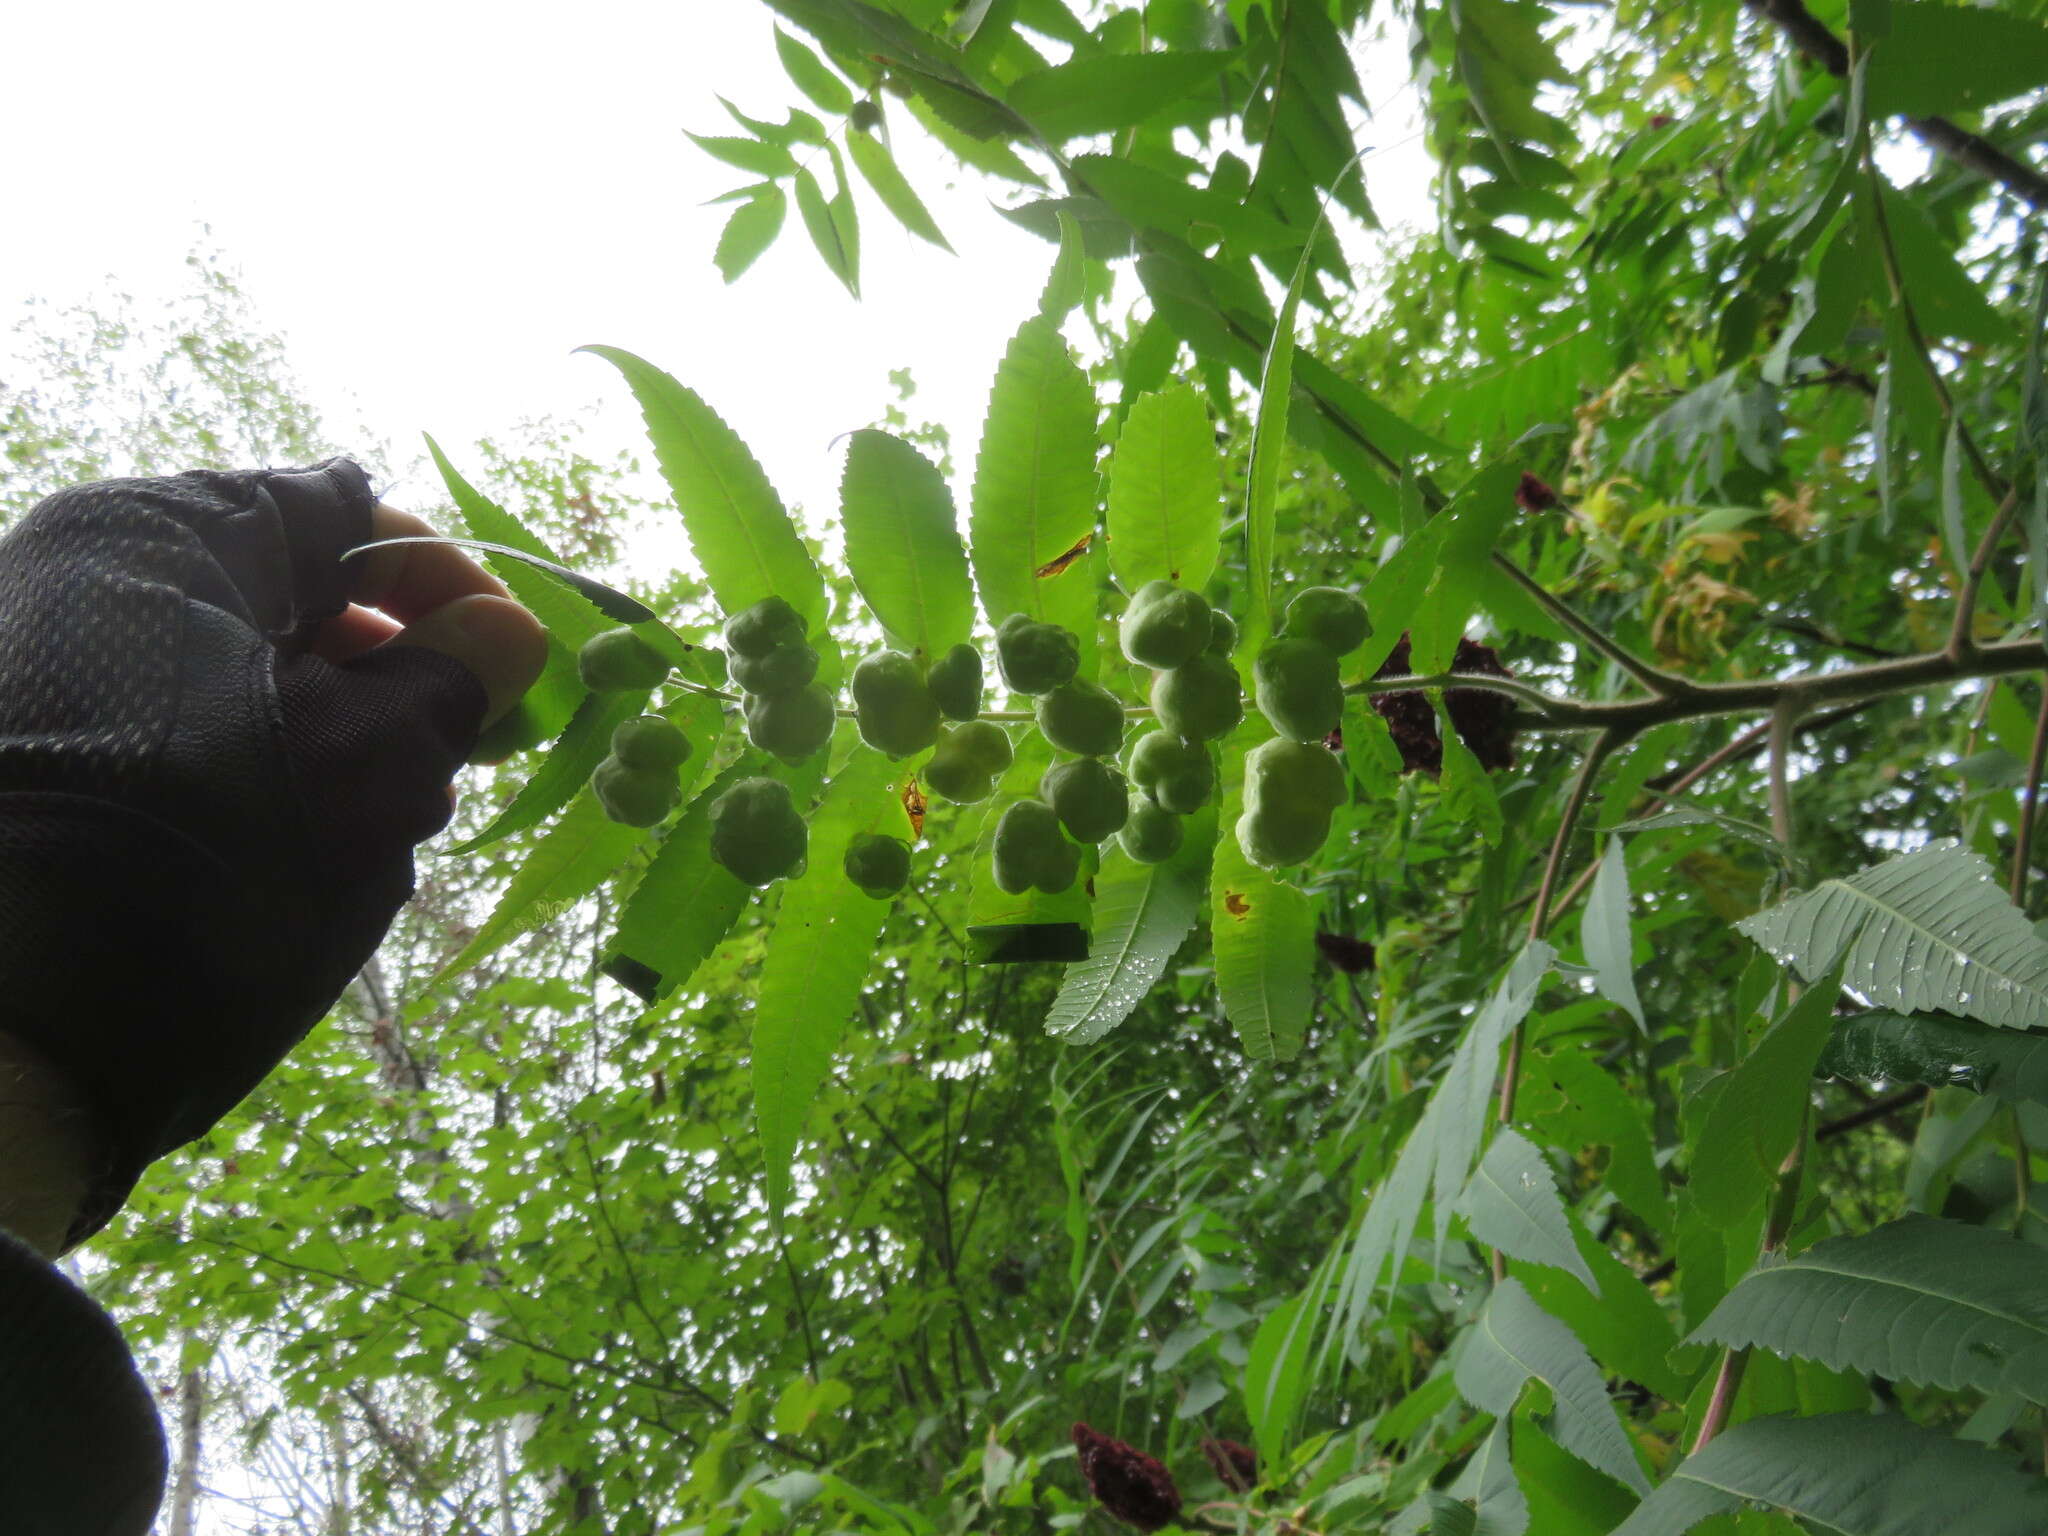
1871, 1113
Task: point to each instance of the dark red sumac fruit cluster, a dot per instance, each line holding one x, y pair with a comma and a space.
1235, 1465
1131, 1485
1479, 716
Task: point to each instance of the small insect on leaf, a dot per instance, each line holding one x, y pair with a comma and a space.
1054, 566
914, 804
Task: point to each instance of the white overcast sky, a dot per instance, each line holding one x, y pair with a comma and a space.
436, 202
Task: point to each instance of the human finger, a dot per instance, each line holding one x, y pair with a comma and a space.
502, 644
411, 581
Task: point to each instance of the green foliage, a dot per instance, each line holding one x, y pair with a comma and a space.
1164, 511
1934, 1302
1928, 931
1699, 353
1906, 1481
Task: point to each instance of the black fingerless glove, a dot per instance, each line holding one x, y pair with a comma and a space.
204, 830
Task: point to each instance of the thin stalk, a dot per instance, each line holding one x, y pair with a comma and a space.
1785, 1204
2022, 1174
1895, 280
1962, 638
2023, 851
1539, 919
1658, 681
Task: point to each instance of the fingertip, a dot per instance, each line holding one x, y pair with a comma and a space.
501, 643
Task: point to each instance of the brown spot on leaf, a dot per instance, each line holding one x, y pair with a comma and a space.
1055, 566
914, 806
1235, 904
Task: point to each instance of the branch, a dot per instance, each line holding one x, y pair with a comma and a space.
1973, 153
1653, 678
1871, 1113
1845, 685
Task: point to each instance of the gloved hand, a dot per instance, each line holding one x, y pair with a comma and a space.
213, 770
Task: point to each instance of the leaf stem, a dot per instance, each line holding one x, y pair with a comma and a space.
1784, 723
1539, 919
1895, 280
1962, 639
2022, 1174
1785, 1203
2023, 849
1658, 681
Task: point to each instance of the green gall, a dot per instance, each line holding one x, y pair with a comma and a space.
778, 670
1089, 797
638, 797
1298, 689
1030, 851
1290, 790
1331, 617
1081, 717
756, 833
791, 725
1036, 657
1176, 773
955, 681
648, 741
1151, 833
1200, 699
769, 625
619, 660
968, 762
519, 729
1164, 625
1222, 633
895, 711
878, 864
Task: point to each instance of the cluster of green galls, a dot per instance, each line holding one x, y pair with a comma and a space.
1292, 784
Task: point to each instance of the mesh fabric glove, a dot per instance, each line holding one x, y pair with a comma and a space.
204, 829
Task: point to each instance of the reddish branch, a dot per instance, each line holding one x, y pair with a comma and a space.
1968, 150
